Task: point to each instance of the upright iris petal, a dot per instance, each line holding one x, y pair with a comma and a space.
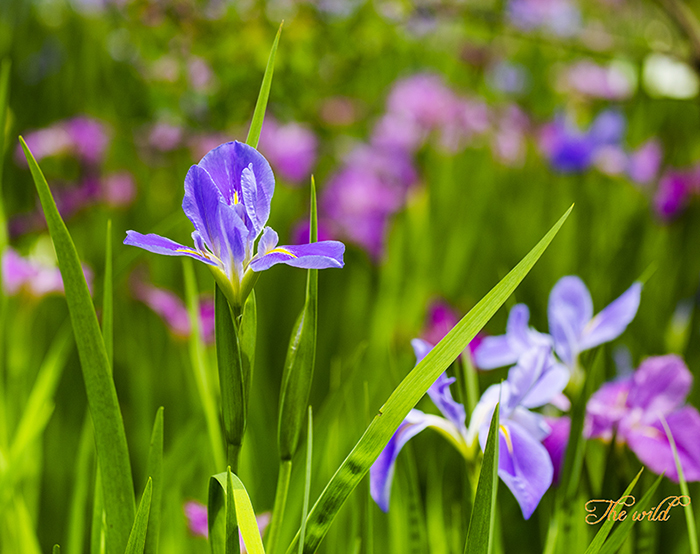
573, 325
227, 199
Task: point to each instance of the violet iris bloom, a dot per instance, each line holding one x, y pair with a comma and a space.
634, 406
572, 326
227, 199
524, 464
571, 321
452, 426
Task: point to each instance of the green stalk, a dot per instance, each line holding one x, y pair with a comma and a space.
283, 476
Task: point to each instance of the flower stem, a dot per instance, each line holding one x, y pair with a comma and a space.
283, 476
233, 452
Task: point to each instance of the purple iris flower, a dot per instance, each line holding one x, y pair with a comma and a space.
556, 442
643, 164
501, 350
571, 321
634, 406
572, 326
673, 194
227, 199
452, 426
524, 463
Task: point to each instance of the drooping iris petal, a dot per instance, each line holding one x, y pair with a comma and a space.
441, 396
161, 245
613, 320
556, 443
660, 385
651, 445
381, 474
523, 464
316, 255
535, 424
570, 309
201, 202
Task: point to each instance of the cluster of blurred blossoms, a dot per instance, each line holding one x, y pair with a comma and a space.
633, 408
172, 310
86, 141
290, 148
374, 179
35, 276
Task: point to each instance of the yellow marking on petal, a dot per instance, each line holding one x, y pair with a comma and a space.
506, 434
280, 250
235, 197
195, 252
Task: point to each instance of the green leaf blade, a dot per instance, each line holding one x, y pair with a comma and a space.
110, 437
154, 469
481, 523
261, 105
137, 537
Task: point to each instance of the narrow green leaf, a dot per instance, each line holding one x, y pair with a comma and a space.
481, 523
247, 340
407, 395
108, 298
245, 515
602, 534
261, 105
110, 439
307, 480
621, 533
98, 523
137, 537
688, 510
4, 108
198, 360
56, 549
79, 495
232, 543
299, 364
228, 357
154, 470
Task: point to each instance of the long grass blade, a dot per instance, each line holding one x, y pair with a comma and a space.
137, 537
264, 94
481, 523
108, 298
688, 509
602, 534
407, 395
110, 438
154, 470
307, 480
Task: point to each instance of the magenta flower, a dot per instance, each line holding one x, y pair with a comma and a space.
633, 407
173, 312
33, 277
674, 193
227, 199
291, 149
643, 164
